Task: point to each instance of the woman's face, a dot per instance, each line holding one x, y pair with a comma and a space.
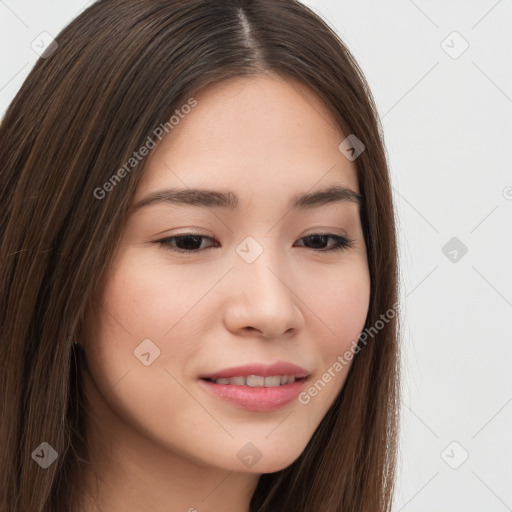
256, 288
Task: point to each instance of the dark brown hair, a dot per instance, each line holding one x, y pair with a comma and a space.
121, 69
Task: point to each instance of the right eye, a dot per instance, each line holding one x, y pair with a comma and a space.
185, 244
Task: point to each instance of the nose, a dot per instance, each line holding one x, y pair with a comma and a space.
262, 299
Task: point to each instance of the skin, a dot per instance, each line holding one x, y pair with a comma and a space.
159, 441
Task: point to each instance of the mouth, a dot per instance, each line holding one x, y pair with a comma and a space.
257, 381
258, 388
254, 373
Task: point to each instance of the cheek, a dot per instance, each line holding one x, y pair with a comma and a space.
340, 305
149, 298
341, 300
139, 311
137, 306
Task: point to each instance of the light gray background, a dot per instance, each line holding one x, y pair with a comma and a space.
448, 127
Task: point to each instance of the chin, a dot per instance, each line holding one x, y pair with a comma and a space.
272, 460
272, 466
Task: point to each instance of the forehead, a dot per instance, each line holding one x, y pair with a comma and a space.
251, 133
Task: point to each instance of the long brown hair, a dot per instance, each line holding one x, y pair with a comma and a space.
121, 69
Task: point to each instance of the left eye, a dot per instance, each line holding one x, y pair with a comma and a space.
191, 243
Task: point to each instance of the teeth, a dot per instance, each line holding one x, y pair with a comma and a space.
272, 381
257, 381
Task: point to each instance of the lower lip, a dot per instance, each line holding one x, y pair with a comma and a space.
256, 399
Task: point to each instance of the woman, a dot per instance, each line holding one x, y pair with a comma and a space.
199, 275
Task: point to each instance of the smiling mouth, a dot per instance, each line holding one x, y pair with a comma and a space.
257, 381
256, 393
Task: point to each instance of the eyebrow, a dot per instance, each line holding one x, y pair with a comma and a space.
227, 199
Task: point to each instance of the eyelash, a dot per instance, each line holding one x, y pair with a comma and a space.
342, 242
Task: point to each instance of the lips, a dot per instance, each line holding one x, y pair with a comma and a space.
256, 387
260, 370
257, 399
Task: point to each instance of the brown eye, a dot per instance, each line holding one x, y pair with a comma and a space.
318, 242
188, 243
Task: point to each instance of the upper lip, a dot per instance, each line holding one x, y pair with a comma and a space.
263, 370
